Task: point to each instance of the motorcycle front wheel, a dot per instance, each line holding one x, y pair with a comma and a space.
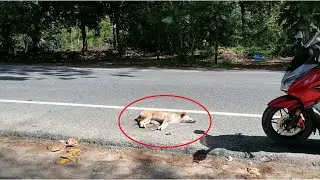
279, 135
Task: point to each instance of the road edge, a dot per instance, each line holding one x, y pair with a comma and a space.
218, 152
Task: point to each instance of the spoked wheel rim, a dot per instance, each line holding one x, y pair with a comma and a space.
280, 121
270, 119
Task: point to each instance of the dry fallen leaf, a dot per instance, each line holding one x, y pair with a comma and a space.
73, 151
70, 157
72, 154
55, 147
254, 171
66, 156
64, 161
72, 142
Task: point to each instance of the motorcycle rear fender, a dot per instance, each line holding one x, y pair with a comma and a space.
285, 101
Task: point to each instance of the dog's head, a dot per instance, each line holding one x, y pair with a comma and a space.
138, 119
185, 118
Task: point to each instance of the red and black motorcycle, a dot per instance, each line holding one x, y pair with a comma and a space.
293, 117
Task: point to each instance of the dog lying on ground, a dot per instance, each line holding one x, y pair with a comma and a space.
162, 118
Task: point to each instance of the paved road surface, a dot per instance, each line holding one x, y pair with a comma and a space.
86, 102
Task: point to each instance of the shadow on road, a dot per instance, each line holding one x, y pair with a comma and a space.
13, 78
125, 73
249, 144
20, 73
122, 75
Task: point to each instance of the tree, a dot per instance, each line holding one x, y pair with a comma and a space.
221, 12
118, 12
39, 17
182, 26
257, 17
188, 29
12, 21
82, 14
299, 15
295, 16
242, 5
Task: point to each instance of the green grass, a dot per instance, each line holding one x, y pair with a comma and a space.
240, 50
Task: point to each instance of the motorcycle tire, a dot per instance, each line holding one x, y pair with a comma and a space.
301, 137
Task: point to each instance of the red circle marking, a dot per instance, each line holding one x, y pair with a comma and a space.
165, 95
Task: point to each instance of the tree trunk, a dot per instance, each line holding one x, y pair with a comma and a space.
181, 51
25, 42
71, 42
119, 39
119, 43
35, 38
7, 43
117, 13
243, 20
84, 38
114, 36
7, 46
217, 41
195, 33
78, 38
35, 42
216, 49
158, 44
169, 41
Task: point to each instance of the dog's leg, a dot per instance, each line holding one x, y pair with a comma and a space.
144, 122
164, 124
154, 122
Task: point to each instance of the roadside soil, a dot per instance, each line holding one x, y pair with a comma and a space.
92, 59
31, 158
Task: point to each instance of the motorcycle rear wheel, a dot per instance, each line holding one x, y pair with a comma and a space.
300, 137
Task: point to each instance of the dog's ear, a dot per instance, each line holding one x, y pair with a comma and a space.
138, 118
183, 114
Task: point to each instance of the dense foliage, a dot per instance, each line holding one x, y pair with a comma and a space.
187, 28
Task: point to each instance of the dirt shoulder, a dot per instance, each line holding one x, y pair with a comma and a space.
226, 61
30, 158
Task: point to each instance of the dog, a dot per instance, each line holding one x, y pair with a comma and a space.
163, 119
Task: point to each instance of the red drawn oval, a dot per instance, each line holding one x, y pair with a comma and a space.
165, 95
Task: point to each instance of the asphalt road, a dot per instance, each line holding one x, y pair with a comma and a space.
86, 102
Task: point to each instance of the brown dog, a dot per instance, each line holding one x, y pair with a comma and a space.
162, 118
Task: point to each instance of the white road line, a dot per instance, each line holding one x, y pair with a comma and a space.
273, 83
129, 108
134, 79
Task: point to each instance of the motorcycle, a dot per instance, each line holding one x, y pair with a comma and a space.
299, 109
